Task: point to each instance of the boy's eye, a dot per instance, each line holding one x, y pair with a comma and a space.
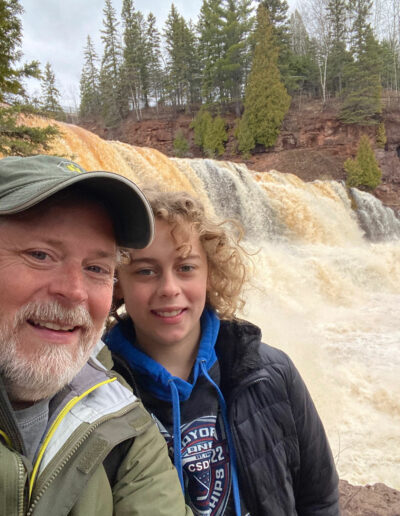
145, 272
186, 268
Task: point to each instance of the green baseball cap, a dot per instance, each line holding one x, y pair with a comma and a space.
25, 182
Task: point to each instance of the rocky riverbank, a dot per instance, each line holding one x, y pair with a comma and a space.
370, 500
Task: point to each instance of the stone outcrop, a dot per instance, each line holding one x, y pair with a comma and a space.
370, 500
313, 143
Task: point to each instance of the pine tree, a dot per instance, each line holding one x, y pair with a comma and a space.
277, 12
156, 73
113, 103
390, 52
15, 138
266, 99
362, 93
211, 49
135, 69
10, 41
90, 83
359, 12
180, 42
278, 17
389, 28
303, 63
235, 61
363, 171
50, 101
193, 69
339, 56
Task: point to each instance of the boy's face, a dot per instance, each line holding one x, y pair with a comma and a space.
165, 288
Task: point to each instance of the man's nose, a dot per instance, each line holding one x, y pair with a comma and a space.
69, 284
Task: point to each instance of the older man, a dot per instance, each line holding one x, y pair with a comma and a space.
73, 439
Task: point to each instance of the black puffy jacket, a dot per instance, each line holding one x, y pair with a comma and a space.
285, 464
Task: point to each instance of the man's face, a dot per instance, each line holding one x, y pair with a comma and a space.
56, 280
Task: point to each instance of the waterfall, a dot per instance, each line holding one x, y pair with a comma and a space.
378, 221
326, 287
228, 187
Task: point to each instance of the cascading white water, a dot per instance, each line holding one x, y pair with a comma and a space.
378, 222
330, 298
326, 287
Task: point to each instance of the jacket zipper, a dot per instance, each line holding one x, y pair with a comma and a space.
21, 486
70, 454
248, 491
54, 427
60, 467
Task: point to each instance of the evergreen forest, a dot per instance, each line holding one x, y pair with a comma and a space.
246, 58
346, 49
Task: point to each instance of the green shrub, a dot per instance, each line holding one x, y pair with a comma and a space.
181, 144
363, 171
200, 124
210, 133
381, 136
245, 138
215, 137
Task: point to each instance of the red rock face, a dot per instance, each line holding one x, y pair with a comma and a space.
371, 500
313, 143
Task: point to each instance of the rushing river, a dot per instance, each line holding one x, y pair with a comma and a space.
326, 286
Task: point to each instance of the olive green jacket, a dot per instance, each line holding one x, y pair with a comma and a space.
88, 419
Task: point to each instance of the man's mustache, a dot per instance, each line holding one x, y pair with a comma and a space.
55, 312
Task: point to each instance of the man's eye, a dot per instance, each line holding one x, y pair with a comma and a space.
98, 269
38, 255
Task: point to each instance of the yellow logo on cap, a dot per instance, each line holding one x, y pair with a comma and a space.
73, 168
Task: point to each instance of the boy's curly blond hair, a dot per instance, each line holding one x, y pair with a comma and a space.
226, 258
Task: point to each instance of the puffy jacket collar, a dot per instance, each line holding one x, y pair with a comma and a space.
238, 353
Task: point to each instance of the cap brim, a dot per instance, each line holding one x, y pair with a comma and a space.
131, 213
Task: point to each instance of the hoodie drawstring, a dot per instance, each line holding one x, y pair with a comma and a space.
176, 411
232, 452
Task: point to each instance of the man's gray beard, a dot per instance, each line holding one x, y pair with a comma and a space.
50, 367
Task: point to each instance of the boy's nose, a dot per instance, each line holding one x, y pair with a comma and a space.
169, 286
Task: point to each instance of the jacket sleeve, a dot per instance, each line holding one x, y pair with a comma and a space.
316, 481
147, 483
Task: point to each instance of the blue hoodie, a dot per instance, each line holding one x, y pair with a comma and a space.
167, 387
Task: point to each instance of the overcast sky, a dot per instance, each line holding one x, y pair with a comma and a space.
55, 31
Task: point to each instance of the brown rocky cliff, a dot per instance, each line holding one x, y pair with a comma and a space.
313, 143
